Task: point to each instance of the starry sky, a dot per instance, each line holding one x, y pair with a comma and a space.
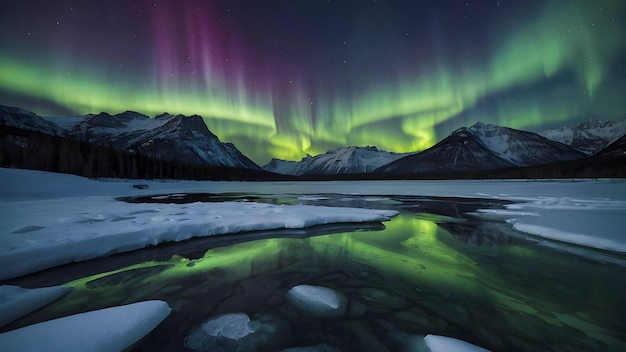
286, 78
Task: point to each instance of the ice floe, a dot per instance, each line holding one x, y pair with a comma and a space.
318, 301
236, 332
109, 329
438, 343
16, 301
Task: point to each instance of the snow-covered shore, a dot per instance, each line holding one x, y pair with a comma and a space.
43, 232
50, 219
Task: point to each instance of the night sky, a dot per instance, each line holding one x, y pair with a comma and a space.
287, 78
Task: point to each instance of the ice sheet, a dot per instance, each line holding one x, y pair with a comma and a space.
110, 329
591, 222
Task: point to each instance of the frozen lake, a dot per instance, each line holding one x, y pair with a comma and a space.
451, 263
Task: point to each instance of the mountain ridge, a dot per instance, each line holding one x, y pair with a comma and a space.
172, 137
474, 150
483, 147
344, 160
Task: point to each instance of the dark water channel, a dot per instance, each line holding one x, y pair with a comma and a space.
432, 269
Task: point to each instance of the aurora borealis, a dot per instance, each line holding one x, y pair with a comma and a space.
287, 78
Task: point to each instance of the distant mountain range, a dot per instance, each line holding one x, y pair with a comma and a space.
479, 147
348, 160
169, 141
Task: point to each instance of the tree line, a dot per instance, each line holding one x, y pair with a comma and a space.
25, 149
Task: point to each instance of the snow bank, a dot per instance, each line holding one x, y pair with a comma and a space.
16, 301
41, 233
110, 329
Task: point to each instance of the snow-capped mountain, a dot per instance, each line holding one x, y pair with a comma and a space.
522, 148
169, 137
348, 160
187, 141
588, 137
461, 150
20, 118
166, 136
484, 147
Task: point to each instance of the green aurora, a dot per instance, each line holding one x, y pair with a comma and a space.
540, 65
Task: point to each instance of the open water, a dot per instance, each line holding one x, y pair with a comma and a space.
430, 270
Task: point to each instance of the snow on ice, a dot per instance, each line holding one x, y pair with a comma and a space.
109, 329
595, 221
43, 233
42, 212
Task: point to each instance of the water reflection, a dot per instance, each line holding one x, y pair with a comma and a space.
426, 272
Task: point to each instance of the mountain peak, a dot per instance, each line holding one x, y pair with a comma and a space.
591, 123
20, 118
15, 110
481, 126
589, 136
128, 114
99, 115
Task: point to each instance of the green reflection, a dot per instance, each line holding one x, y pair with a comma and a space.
409, 249
513, 288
